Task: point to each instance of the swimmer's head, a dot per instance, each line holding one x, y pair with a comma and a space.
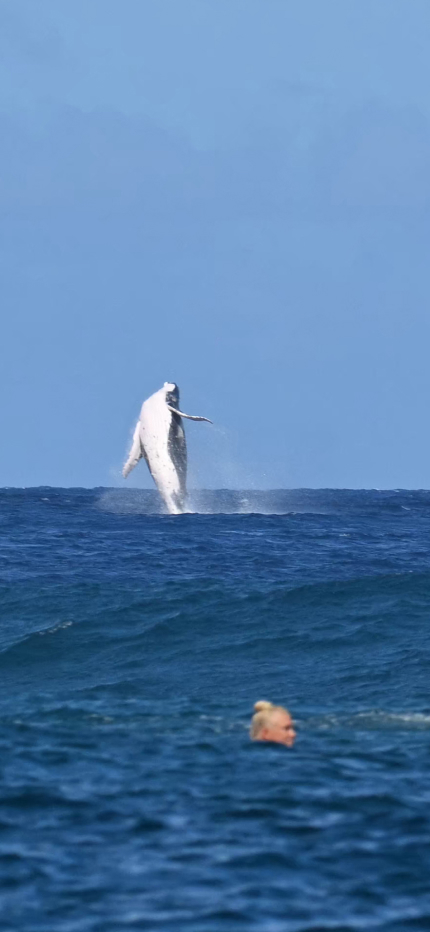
272, 723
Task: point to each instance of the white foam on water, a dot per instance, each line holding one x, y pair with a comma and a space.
376, 719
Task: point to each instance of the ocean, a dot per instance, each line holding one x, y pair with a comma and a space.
133, 647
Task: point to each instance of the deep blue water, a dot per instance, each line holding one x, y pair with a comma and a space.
133, 646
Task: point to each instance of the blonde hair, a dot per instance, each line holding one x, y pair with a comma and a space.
262, 710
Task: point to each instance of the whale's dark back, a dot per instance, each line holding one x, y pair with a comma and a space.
177, 446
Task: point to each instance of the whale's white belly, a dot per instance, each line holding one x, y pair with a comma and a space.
155, 435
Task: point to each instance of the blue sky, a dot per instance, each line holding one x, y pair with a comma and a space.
230, 194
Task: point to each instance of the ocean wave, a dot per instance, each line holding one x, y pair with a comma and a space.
198, 637
116, 608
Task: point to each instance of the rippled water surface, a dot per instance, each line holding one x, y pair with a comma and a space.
132, 648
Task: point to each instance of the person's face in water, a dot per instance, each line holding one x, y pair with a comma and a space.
279, 728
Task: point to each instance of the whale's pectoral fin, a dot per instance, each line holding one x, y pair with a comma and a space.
190, 417
135, 454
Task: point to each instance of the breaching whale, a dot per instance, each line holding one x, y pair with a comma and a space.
160, 438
